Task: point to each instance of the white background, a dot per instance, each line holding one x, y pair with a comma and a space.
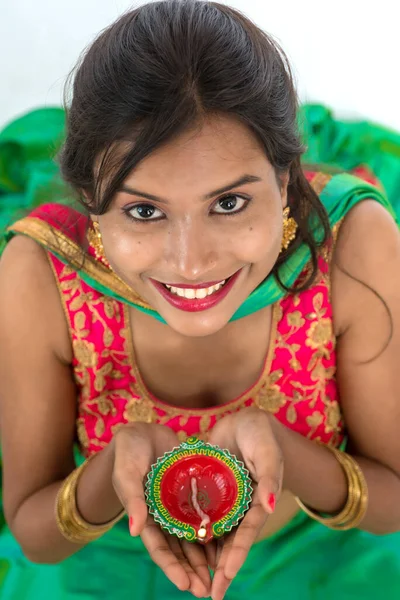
345, 54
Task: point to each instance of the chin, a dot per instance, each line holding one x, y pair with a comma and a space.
197, 325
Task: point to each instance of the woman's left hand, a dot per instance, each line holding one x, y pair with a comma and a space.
249, 435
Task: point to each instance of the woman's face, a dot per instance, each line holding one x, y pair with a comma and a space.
197, 225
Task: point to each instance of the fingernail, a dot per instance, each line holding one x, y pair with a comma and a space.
272, 502
130, 525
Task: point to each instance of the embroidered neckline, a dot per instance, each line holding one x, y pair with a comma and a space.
231, 405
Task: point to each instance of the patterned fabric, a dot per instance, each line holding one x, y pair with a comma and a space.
297, 383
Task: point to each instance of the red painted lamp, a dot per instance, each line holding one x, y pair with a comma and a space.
198, 491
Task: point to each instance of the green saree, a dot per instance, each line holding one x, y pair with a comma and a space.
304, 560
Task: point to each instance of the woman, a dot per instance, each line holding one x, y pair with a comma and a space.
209, 288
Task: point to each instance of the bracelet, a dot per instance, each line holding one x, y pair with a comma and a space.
70, 523
356, 505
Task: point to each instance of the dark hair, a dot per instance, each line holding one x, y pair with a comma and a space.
155, 72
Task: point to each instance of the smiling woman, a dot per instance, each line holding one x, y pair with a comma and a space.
211, 287
193, 232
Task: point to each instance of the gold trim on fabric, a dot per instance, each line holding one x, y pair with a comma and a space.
320, 181
55, 241
335, 233
329, 257
62, 297
232, 405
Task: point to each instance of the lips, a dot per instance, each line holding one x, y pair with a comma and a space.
196, 304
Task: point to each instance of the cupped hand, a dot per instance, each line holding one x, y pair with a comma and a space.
249, 435
136, 448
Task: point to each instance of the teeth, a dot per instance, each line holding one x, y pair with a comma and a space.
191, 293
201, 293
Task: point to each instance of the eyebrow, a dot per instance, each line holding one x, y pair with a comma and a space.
226, 188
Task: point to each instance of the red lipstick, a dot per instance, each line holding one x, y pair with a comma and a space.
196, 304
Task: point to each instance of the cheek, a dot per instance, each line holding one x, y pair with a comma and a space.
260, 241
129, 253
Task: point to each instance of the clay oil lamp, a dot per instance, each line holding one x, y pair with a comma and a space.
198, 491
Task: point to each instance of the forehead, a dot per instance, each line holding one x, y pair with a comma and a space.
219, 150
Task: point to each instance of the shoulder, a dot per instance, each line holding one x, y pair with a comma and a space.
368, 243
29, 298
365, 268
365, 227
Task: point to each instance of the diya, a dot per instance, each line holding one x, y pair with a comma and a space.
198, 491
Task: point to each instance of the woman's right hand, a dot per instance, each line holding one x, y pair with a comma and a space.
136, 447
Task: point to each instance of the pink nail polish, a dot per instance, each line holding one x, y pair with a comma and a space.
272, 502
130, 525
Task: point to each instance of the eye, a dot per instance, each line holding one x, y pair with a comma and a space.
144, 212
230, 205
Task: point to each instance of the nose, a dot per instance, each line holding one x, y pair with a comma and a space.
191, 252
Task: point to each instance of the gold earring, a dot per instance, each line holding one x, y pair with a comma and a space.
289, 229
96, 241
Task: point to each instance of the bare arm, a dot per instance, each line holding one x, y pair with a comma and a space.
368, 375
38, 408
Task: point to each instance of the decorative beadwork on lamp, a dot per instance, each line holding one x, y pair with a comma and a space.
198, 491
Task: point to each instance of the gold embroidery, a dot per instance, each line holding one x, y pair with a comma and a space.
82, 433
319, 182
140, 406
320, 339
105, 404
205, 422
182, 435
291, 414
320, 332
333, 416
140, 409
84, 353
270, 398
100, 376
314, 421
335, 232
295, 319
65, 272
99, 428
183, 420
87, 358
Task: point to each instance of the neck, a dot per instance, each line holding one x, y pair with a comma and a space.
234, 332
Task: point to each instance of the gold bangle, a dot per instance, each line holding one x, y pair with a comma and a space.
361, 496
350, 507
69, 521
356, 504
